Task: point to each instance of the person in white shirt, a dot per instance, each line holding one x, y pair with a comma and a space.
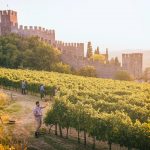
38, 117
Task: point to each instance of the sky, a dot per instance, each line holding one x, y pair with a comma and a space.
114, 24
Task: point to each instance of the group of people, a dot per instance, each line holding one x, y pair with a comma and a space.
41, 89
37, 111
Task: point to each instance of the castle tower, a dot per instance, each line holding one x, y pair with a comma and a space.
133, 64
8, 22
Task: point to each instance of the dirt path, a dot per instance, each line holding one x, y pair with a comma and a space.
24, 118
25, 122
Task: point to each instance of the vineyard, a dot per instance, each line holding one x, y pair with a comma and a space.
106, 110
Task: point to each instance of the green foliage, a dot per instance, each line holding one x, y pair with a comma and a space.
62, 68
90, 104
117, 63
22, 52
89, 50
98, 57
97, 51
123, 75
88, 71
4, 99
146, 75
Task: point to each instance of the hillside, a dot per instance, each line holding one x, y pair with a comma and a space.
146, 56
116, 112
25, 126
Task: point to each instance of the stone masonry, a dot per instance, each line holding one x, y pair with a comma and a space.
133, 64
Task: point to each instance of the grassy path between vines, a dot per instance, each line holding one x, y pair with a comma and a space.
25, 122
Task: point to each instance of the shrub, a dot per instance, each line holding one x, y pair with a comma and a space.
123, 75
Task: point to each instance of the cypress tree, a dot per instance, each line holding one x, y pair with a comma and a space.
97, 51
89, 50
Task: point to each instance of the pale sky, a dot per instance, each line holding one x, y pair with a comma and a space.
116, 24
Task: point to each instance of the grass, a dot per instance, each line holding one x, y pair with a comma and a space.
58, 143
8, 108
4, 99
13, 108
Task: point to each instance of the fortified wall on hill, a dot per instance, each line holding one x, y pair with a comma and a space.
72, 53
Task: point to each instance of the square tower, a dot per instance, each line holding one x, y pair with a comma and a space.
133, 63
8, 22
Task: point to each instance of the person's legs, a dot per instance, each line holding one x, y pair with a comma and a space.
22, 90
42, 95
39, 123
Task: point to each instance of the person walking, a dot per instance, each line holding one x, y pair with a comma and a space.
42, 91
23, 87
54, 92
38, 117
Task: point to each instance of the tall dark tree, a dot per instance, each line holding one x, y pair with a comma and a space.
112, 61
89, 50
97, 51
117, 63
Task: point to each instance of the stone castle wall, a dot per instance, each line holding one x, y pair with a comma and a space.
42, 33
70, 49
102, 70
133, 64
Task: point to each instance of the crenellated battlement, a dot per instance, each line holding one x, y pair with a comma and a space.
132, 55
44, 34
70, 49
8, 22
36, 29
75, 45
8, 12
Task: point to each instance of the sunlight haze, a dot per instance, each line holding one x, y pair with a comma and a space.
116, 24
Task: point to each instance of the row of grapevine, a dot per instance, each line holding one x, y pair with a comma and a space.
115, 127
108, 110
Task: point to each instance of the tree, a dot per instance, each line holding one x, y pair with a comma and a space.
88, 71
97, 51
42, 57
146, 75
112, 61
62, 68
123, 75
27, 52
117, 63
89, 50
98, 57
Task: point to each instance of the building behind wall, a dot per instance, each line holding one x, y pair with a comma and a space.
133, 64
